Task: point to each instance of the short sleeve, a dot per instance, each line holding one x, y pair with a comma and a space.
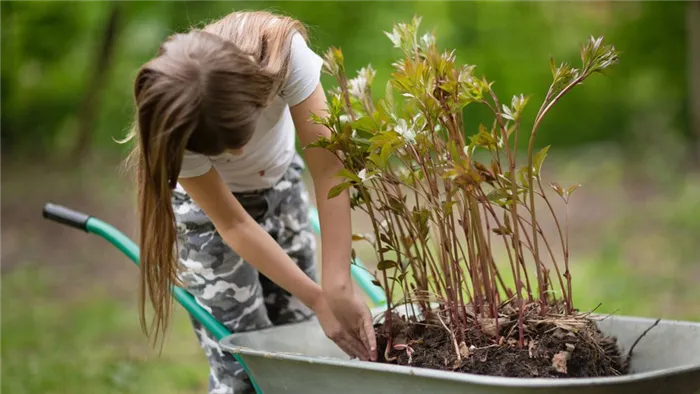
194, 164
305, 72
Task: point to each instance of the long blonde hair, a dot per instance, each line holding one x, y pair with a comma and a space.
203, 92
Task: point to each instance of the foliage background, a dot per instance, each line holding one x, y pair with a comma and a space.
69, 321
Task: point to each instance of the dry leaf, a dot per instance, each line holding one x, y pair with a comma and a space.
531, 348
400, 340
509, 310
463, 350
559, 333
470, 311
559, 361
488, 326
569, 324
570, 347
565, 326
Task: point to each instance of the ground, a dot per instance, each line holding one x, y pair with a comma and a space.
69, 300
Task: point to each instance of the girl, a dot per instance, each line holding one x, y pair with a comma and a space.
223, 209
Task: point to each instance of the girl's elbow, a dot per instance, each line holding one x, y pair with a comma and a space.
233, 236
233, 228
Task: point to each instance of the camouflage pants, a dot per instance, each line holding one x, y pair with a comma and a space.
232, 290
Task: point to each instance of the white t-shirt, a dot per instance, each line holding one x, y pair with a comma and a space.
265, 158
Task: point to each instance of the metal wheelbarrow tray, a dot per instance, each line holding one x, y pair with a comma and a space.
666, 360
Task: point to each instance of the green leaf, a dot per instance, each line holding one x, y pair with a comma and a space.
502, 230
395, 204
449, 86
386, 264
363, 237
539, 159
421, 217
365, 123
482, 129
447, 207
506, 220
505, 178
385, 239
510, 131
522, 172
494, 166
518, 104
387, 150
374, 159
389, 96
572, 188
383, 138
553, 67
345, 173
322, 142
337, 189
450, 173
497, 195
452, 148
569, 191
395, 278
483, 138
319, 120
557, 188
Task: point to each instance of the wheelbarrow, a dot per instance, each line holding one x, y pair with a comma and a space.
298, 358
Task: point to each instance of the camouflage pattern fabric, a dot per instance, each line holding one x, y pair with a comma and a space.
231, 289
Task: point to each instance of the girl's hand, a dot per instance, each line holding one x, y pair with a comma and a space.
344, 333
353, 314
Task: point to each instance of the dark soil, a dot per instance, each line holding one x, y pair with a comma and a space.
553, 347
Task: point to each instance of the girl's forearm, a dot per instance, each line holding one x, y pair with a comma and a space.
336, 235
256, 246
334, 214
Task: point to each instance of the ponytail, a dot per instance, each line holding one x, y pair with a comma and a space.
163, 125
158, 240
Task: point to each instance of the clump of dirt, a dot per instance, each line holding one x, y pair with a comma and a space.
554, 346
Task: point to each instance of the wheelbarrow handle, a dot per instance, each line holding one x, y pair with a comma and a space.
108, 232
67, 216
105, 230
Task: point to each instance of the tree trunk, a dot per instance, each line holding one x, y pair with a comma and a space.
102, 63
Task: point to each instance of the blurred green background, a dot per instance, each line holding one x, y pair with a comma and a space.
632, 138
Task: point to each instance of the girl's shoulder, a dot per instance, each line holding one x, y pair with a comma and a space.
304, 71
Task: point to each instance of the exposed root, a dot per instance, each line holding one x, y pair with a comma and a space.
629, 354
454, 339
